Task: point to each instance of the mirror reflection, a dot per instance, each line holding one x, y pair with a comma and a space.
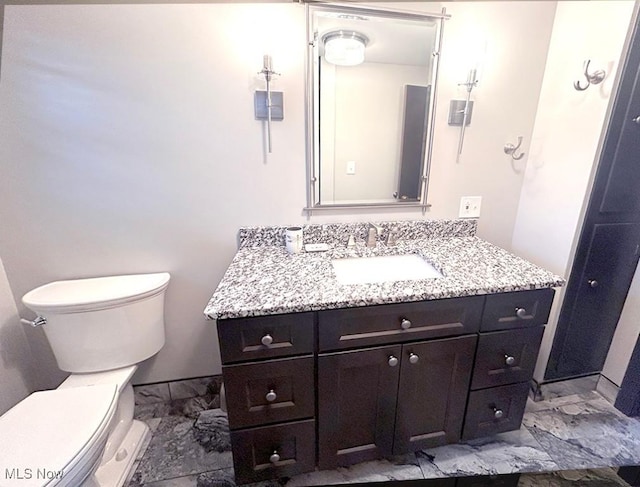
373, 79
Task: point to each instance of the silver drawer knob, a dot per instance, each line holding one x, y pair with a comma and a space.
593, 283
413, 358
271, 396
393, 361
405, 324
274, 458
509, 360
498, 413
267, 340
521, 312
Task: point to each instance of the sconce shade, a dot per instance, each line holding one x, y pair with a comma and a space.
344, 47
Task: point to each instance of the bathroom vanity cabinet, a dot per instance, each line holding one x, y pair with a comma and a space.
335, 387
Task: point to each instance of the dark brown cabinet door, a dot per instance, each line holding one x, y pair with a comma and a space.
607, 251
588, 320
356, 410
434, 380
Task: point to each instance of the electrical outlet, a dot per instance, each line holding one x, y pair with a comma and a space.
470, 207
351, 167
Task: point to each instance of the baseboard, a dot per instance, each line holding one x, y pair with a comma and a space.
177, 389
550, 390
607, 389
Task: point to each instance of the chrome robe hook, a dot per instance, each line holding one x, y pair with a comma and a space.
511, 149
592, 78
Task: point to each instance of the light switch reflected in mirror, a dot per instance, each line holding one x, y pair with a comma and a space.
371, 83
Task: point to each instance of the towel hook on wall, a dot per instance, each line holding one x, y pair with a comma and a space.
511, 149
592, 78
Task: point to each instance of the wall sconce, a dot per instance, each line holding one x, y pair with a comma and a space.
344, 47
268, 105
473, 56
460, 110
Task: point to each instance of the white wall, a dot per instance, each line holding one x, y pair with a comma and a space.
128, 144
516, 35
16, 362
565, 139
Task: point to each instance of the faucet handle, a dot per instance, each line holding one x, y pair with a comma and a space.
372, 237
392, 237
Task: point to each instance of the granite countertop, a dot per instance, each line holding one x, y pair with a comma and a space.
265, 279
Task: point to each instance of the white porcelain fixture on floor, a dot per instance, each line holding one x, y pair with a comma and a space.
83, 433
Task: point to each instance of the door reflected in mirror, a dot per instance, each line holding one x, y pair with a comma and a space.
372, 76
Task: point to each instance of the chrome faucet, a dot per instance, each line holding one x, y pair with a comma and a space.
374, 233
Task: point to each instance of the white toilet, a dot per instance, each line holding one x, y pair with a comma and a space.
83, 433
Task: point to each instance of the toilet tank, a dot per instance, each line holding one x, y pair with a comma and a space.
102, 323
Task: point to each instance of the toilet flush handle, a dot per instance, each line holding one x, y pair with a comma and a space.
39, 321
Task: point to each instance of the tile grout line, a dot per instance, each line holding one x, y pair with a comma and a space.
542, 448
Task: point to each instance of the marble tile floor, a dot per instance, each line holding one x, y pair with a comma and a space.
190, 449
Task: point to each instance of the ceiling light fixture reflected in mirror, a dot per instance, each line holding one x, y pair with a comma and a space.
344, 47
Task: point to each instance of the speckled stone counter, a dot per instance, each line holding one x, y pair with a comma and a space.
265, 279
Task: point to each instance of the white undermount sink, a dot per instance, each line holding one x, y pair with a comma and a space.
364, 270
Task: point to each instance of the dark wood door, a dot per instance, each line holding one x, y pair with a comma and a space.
432, 395
414, 134
601, 287
588, 316
357, 401
628, 400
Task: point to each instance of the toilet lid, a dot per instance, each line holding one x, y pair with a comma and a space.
94, 293
46, 432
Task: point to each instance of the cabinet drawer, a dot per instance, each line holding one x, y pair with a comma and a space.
273, 451
517, 310
495, 410
382, 325
506, 357
269, 392
262, 337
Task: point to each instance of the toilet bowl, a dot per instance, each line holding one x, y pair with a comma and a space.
71, 429
83, 433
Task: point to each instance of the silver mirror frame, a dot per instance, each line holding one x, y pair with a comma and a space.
313, 164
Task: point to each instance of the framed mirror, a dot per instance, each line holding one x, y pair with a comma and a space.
371, 90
